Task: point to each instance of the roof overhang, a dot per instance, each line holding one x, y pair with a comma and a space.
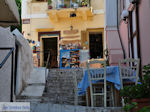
85, 13
9, 13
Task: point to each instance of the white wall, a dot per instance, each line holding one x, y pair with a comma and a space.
6, 40
29, 14
25, 61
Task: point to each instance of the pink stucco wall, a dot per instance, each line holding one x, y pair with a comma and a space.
144, 27
124, 37
144, 24
114, 47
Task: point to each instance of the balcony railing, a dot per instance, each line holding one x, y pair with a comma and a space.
59, 4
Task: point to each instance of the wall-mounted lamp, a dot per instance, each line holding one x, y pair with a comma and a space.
133, 1
124, 16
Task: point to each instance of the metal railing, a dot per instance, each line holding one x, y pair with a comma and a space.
11, 52
5, 59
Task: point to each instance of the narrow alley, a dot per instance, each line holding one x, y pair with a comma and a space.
74, 56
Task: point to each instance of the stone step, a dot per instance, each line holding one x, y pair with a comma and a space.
28, 99
60, 85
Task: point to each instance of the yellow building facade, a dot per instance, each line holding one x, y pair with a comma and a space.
58, 25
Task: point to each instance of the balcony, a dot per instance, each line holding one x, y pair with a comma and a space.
63, 9
60, 4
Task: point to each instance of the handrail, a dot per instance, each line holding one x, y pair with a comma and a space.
12, 71
5, 59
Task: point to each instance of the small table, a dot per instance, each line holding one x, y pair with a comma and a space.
112, 75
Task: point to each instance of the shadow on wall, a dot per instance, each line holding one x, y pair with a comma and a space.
24, 61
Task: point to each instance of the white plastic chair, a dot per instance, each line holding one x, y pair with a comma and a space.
129, 69
94, 75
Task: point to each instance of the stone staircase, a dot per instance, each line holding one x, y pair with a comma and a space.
34, 86
60, 86
58, 95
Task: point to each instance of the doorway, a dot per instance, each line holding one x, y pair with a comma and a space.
96, 45
50, 50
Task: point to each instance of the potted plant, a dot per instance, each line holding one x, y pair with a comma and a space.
84, 3
65, 5
49, 4
139, 93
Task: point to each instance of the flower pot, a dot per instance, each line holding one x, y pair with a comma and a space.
50, 7
142, 102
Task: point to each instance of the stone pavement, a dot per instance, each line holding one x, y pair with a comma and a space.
35, 85
50, 107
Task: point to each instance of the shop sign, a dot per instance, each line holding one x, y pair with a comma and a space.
26, 21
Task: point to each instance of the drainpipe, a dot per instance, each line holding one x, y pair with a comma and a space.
138, 38
124, 55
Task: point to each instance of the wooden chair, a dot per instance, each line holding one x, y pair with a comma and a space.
76, 89
94, 75
129, 70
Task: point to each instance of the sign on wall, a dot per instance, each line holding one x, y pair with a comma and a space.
26, 21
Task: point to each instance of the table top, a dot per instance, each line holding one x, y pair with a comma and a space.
112, 75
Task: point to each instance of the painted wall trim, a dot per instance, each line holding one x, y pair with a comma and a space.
44, 29
112, 28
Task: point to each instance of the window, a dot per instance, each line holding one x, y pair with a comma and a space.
96, 45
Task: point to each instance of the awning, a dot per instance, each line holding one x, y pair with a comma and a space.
9, 14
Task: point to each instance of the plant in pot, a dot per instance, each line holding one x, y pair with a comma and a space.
50, 4
65, 5
84, 3
139, 93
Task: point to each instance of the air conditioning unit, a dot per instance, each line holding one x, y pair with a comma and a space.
133, 1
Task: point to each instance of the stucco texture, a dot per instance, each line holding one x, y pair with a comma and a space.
6, 40
144, 25
25, 60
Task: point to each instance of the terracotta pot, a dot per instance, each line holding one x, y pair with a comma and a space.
141, 103
50, 7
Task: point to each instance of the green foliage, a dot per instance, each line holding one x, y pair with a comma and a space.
84, 3
129, 107
146, 69
137, 91
49, 2
18, 2
145, 109
140, 90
